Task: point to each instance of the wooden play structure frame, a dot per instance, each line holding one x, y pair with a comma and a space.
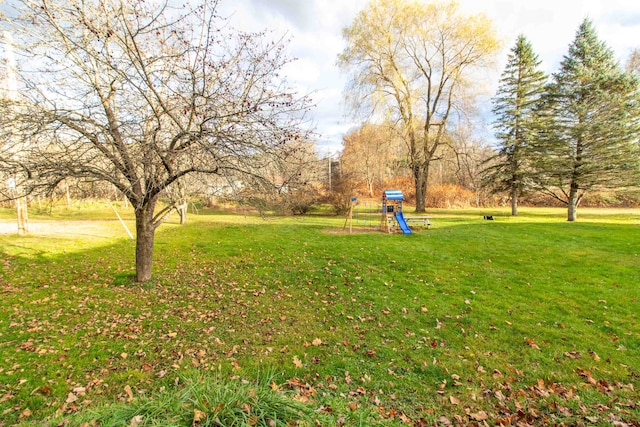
392, 218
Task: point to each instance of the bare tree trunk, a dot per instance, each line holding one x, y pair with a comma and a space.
145, 234
572, 205
182, 211
23, 218
514, 201
420, 173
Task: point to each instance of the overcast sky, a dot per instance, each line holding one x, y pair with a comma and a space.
315, 29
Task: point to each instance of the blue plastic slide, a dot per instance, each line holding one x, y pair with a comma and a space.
402, 223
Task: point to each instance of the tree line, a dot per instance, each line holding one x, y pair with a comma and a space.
563, 136
569, 134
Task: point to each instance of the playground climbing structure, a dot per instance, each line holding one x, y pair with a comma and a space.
392, 219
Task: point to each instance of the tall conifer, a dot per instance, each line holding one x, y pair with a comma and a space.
520, 89
589, 140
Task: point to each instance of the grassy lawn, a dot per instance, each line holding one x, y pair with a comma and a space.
286, 321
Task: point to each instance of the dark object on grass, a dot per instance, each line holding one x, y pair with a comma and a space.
488, 217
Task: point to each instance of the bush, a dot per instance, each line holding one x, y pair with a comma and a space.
450, 196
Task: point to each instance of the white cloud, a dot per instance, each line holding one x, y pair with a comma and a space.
315, 27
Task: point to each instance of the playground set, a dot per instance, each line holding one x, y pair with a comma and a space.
388, 217
392, 216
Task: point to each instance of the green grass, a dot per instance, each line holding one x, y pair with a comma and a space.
528, 319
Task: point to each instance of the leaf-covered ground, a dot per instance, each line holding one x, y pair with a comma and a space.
527, 321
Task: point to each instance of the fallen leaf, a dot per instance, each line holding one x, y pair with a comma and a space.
406, 419
136, 421
572, 354
444, 421
301, 398
129, 392
454, 400
531, 343
198, 416
297, 362
71, 398
316, 342
479, 416
587, 375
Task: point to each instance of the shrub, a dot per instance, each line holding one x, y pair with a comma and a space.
450, 196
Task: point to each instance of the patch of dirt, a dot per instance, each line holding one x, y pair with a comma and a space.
355, 230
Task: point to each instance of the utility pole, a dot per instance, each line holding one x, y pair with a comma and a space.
329, 157
11, 91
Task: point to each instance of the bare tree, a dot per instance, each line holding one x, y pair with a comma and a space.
469, 154
139, 94
293, 182
369, 154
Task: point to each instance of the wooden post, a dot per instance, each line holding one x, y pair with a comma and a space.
349, 217
23, 217
353, 199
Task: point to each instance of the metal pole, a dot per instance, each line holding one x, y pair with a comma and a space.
122, 222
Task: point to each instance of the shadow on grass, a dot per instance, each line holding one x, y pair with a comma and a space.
396, 314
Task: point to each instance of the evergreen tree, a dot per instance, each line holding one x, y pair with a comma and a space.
590, 129
520, 89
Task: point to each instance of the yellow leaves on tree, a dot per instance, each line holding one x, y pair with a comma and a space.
412, 62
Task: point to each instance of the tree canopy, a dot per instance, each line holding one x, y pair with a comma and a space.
141, 94
414, 63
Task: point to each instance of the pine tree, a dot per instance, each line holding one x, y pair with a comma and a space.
591, 117
520, 89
